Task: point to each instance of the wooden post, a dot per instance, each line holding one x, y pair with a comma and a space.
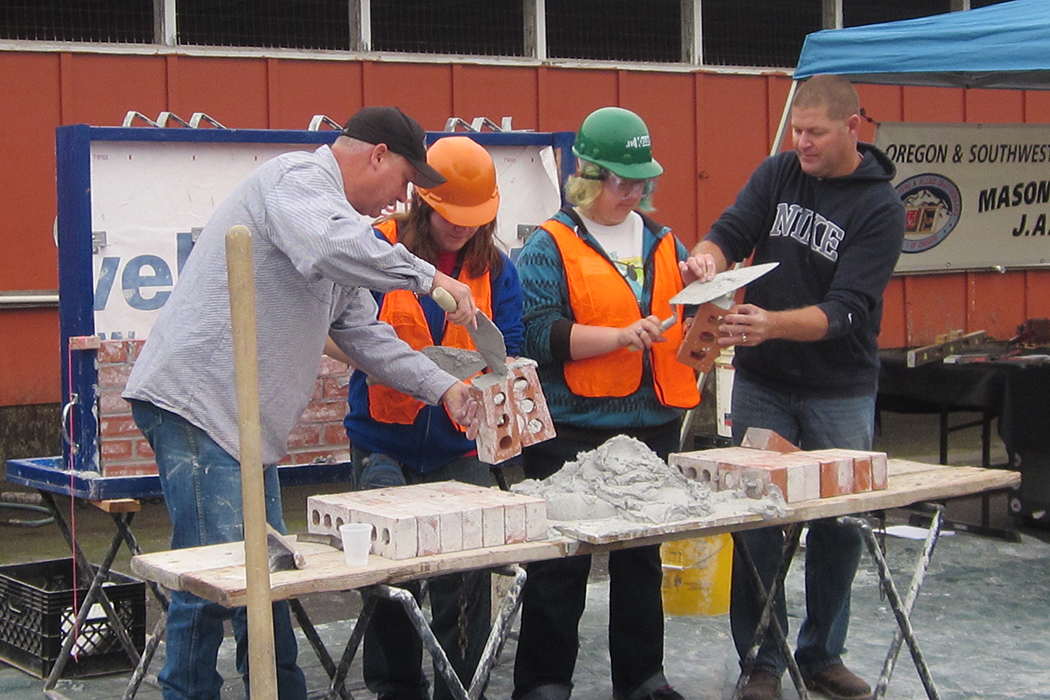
241, 274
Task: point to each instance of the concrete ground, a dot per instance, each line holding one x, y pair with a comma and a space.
981, 619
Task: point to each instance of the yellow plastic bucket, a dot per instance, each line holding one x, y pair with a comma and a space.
697, 575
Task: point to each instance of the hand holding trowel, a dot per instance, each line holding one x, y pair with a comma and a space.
486, 336
699, 348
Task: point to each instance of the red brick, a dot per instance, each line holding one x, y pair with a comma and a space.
118, 426
335, 387
116, 449
113, 352
135, 349
111, 403
132, 469
84, 342
113, 375
335, 435
143, 449
331, 367
323, 412
304, 435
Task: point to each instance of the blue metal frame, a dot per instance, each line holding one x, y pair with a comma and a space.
82, 478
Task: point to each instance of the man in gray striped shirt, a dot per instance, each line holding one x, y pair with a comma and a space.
316, 259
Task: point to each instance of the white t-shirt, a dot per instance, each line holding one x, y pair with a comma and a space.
622, 242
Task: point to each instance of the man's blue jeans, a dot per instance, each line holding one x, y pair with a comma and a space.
832, 550
202, 490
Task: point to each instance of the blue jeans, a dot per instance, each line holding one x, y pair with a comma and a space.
555, 595
202, 490
832, 550
460, 603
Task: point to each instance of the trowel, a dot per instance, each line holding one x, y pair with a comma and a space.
724, 283
486, 336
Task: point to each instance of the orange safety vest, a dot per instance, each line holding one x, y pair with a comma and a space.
401, 309
600, 296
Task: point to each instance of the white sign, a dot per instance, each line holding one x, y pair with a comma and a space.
977, 196
150, 199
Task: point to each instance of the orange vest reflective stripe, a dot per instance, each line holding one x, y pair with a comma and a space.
401, 309
600, 296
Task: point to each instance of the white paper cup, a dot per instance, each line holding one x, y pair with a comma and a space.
357, 541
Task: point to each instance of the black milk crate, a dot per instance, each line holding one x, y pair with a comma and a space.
36, 612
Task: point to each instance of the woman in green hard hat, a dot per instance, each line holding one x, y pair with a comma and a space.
597, 279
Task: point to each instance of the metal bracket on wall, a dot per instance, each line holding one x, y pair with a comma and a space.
319, 120
479, 124
164, 118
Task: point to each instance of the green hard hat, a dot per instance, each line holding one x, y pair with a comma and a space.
618, 140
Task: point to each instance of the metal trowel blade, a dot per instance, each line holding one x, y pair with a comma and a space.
724, 283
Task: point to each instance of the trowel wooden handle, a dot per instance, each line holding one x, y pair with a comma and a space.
444, 299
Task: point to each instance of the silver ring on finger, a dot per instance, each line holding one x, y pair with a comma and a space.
743, 337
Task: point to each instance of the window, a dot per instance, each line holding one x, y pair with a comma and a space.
467, 27
734, 36
110, 21
300, 24
615, 30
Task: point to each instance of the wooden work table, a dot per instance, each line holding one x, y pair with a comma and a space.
217, 572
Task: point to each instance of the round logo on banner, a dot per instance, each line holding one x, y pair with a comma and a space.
932, 204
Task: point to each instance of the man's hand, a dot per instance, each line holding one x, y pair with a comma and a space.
461, 403
466, 310
700, 267
747, 324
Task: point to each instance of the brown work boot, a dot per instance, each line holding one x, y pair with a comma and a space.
762, 685
838, 683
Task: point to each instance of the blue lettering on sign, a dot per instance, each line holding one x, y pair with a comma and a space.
142, 272
136, 278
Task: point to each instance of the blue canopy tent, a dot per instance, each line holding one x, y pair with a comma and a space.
999, 46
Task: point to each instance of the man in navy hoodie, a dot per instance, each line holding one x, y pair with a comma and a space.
806, 354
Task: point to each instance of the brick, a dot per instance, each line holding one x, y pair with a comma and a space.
116, 449
111, 403
766, 439
143, 449
117, 426
335, 387
130, 469
699, 348
331, 367
836, 472
304, 435
335, 435
324, 412
84, 342
112, 352
513, 411
113, 375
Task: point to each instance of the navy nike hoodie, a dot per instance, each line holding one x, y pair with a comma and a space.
837, 241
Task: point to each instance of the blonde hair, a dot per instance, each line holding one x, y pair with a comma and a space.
584, 188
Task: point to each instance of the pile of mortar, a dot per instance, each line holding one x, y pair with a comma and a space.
624, 479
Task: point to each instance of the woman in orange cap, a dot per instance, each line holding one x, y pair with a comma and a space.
396, 439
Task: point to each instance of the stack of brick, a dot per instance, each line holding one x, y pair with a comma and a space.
426, 519
801, 475
514, 412
319, 436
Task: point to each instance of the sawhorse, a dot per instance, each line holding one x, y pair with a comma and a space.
901, 607
122, 511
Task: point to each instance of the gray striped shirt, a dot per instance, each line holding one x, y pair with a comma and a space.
315, 260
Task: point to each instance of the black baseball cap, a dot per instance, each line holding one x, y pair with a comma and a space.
401, 133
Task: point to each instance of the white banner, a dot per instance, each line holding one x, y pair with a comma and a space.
150, 199
977, 196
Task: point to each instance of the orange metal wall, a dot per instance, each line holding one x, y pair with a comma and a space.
709, 131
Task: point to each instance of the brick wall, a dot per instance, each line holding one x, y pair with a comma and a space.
123, 451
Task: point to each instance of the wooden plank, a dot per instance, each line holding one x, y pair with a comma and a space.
327, 570
216, 572
118, 505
